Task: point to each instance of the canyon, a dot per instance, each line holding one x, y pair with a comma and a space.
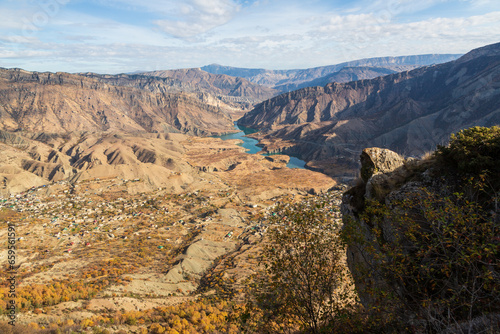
409, 112
126, 203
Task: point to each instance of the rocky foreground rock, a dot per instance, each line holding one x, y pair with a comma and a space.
420, 236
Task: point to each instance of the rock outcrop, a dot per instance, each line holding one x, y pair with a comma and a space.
418, 230
385, 177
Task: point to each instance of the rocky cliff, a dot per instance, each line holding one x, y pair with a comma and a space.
421, 234
409, 112
62, 102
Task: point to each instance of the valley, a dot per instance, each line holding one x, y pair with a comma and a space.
251, 145
131, 237
143, 203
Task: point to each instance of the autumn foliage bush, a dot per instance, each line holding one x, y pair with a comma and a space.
442, 265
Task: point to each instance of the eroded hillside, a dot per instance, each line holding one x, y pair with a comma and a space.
410, 112
62, 102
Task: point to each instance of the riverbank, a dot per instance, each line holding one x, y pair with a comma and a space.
252, 145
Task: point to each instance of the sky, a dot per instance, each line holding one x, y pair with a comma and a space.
121, 36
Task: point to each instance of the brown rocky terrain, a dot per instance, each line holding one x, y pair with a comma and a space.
39, 159
117, 208
138, 221
410, 112
62, 102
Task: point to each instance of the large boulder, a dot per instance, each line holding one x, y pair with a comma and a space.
378, 160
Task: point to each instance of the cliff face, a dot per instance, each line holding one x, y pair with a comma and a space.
383, 173
409, 112
62, 102
422, 234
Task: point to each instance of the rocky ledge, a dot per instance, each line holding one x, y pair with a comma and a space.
417, 233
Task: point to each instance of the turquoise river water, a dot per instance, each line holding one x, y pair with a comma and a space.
251, 145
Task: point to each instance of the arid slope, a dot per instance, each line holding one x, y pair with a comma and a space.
62, 102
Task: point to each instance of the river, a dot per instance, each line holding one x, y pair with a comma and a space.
251, 145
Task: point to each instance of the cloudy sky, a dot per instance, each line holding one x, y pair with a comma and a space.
113, 36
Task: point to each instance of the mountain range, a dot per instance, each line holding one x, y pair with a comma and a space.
410, 112
192, 101
224, 87
63, 102
288, 80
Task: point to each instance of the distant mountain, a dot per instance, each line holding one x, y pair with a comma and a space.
346, 74
410, 112
263, 77
62, 102
287, 80
227, 88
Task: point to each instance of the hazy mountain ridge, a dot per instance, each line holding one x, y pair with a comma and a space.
409, 112
287, 80
218, 84
347, 74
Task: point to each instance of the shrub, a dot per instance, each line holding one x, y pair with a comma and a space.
440, 258
473, 155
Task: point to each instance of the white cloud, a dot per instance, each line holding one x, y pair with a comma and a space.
359, 22
270, 34
368, 35
180, 18
398, 7
11, 18
195, 17
134, 5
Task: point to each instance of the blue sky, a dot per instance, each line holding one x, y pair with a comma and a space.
113, 36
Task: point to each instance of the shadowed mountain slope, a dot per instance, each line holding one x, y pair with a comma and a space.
410, 112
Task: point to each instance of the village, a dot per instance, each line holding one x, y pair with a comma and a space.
101, 243
110, 244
